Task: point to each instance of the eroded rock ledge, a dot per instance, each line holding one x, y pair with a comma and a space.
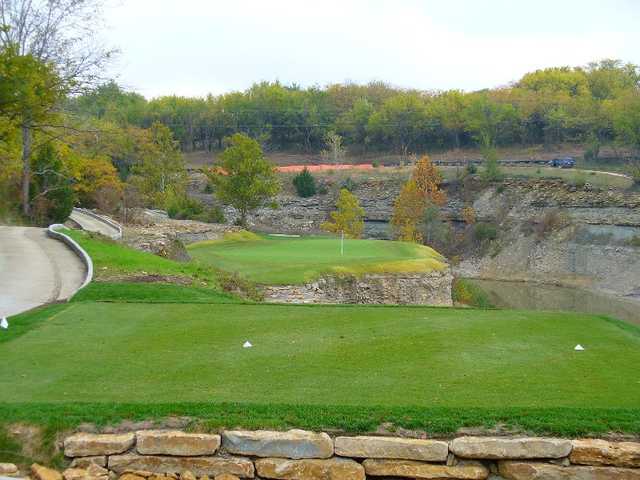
302, 455
432, 288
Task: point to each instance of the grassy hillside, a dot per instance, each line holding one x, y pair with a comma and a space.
278, 260
112, 260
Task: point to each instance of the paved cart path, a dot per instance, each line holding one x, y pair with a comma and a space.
35, 269
92, 224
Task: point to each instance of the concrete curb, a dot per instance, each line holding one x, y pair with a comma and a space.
108, 221
73, 245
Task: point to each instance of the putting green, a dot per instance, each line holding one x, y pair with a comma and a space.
281, 260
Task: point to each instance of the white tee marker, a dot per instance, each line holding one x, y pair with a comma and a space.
579, 348
4, 324
247, 344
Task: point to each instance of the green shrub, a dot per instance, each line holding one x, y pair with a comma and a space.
633, 170
580, 179
500, 189
182, 207
485, 231
233, 283
467, 293
52, 195
471, 168
323, 189
375, 163
349, 184
551, 221
54, 207
492, 171
592, 152
212, 215
305, 184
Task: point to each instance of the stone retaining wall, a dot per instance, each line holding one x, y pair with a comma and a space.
432, 288
302, 455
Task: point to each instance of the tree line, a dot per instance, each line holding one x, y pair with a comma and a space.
594, 104
69, 136
51, 158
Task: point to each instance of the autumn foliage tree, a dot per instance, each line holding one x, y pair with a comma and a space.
469, 215
97, 184
422, 190
348, 216
428, 179
408, 210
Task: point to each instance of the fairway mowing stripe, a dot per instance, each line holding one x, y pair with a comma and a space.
69, 307
31, 325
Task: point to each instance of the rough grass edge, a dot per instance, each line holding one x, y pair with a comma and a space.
466, 293
437, 421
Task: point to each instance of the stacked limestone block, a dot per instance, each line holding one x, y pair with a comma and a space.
302, 455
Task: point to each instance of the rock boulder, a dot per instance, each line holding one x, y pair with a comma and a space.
294, 444
543, 471
601, 452
152, 442
496, 448
412, 469
38, 472
310, 469
396, 448
199, 466
91, 444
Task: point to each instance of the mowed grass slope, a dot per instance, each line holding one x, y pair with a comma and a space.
112, 260
320, 355
278, 260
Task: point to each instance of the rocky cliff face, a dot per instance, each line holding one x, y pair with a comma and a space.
433, 288
304, 215
594, 248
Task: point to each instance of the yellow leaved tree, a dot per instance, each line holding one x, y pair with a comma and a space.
348, 216
420, 191
427, 178
408, 210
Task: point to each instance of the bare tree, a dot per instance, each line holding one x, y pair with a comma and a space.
334, 151
58, 32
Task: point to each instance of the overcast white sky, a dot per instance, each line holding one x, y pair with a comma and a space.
195, 47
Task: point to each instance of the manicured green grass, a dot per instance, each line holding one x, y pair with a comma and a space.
353, 419
115, 260
277, 260
150, 293
321, 355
